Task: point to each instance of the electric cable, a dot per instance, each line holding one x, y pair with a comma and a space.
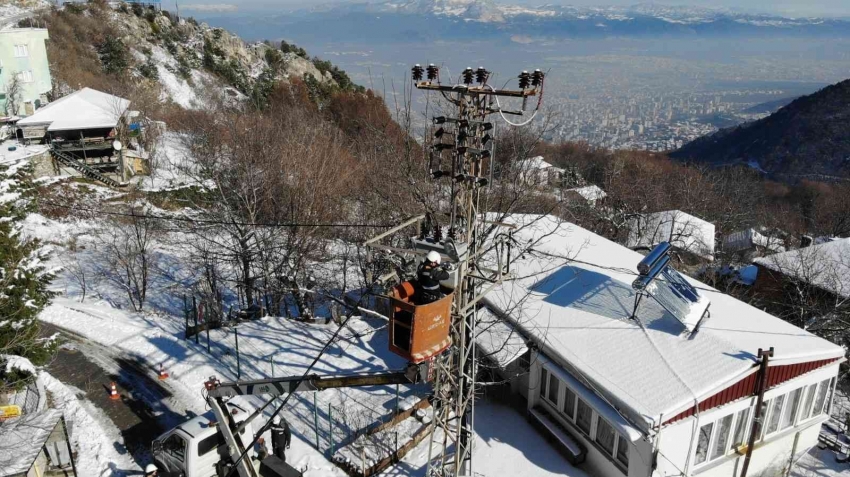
297, 383
213, 222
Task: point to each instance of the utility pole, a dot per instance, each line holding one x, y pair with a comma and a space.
468, 141
761, 387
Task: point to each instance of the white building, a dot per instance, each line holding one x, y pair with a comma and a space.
642, 397
538, 172
683, 231
590, 195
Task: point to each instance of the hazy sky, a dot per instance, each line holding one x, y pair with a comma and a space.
785, 7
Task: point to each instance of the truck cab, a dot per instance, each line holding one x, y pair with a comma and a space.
193, 448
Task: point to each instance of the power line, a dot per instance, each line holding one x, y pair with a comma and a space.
213, 222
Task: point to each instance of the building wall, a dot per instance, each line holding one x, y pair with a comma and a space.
597, 461
674, 450
677, 451
33, 65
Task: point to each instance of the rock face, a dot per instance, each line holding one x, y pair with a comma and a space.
184, 53
808, 138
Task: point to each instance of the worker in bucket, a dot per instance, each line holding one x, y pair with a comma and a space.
429, 275
281, 437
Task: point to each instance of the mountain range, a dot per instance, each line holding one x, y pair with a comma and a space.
486, 20
808, 138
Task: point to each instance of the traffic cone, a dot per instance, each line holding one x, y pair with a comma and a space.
113, 393
162, 374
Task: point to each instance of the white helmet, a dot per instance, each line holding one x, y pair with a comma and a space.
150, 469
276, 421
433, 257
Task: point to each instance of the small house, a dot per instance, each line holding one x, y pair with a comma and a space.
750, 244
87, 133
685, 232
24, 72
34, 445
626, 391
591, 195
538, 173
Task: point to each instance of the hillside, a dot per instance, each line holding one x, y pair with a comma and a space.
188, 62
810, 137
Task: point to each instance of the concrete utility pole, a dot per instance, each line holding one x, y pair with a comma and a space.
761, 387
468, 140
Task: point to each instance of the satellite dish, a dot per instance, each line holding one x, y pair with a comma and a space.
117, 145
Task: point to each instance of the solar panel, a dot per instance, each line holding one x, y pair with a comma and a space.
669, 288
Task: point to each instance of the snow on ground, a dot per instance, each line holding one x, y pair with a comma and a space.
176, 88
172, 160
98, 442
22, 151
820, 463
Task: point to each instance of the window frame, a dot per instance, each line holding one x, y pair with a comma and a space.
589, 431
782, 401
622, 441
718, 428
792, 409
567, 392
745, 425
22, 50
601, 421
557, 382
700, 433
808, 402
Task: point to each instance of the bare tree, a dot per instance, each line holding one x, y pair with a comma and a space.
128, 254
14, 89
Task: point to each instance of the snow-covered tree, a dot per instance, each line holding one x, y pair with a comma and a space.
24, 278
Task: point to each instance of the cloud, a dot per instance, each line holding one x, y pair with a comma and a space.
212, 7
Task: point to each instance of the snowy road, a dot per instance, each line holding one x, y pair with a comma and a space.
146, 408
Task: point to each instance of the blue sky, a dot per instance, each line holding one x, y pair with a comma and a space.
839, 8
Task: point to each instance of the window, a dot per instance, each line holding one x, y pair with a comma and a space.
765, 406
829, 396
821, 399
791, 409
741, 427
175, 446
702, 443
584, 416
605, 435
807, 404
721, 438
25, 76
552, 389
210, 444
775, 414
544, 380
569, 403
21, 51
623, 451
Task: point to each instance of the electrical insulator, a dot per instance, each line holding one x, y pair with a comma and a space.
487, 138
433, 72
417, 72
439, 120
481, 75
439, 133
537, 78
524, 80
467, 76
487, 126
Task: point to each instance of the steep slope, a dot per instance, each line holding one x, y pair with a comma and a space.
191, 63
808, 138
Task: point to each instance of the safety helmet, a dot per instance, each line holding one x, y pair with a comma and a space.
276, 421
433, 257
150, 469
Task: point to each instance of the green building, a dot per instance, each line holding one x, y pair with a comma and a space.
23, 55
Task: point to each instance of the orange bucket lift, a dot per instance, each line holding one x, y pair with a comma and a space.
418, 332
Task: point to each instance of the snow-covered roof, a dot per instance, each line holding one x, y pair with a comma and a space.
745, 239
573, 297
826, 266
536, 162
84, 109
589, 193
22, 438
682, 230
